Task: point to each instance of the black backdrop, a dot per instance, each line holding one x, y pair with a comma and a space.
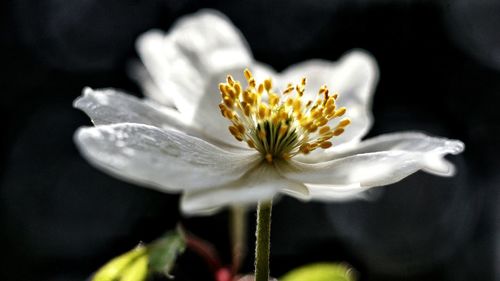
440, 72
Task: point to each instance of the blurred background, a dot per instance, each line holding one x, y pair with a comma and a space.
60, 219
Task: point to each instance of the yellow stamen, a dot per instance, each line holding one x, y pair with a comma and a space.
280, 128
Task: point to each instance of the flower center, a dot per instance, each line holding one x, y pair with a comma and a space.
280, 125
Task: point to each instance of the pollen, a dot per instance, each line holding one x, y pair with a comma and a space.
281, 125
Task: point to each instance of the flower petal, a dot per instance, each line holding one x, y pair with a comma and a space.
109, 106
433, 149
382, 161
189, 63
336, 193
354, 77
165, 160
138, 72
261, 183
211, 42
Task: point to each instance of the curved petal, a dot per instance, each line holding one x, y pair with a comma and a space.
261, 183
354, 77
191, 60
138, 72
110, 106
432, 147
211, 42
370, 169
165, 160
262, 71
336, 193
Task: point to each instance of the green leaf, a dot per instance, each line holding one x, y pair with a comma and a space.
164, 251
320, 272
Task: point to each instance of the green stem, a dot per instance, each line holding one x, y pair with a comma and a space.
263, 235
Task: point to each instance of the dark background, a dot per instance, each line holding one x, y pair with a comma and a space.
60, 219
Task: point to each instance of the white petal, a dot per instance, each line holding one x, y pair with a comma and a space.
433, 147
138, 72
165, 160
354, 77
190, 62
211, 42
336, 193
371, 169
262, 183
262, 71
171, 71
109, 106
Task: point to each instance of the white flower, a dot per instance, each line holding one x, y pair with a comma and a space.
177, 141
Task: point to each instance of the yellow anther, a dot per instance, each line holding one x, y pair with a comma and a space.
222, 88
330, 111
226, 112
306, 123
262, 111
273, 99
297, 105
322, 89
303, 82
338, 131
325, 144
312, 128
283, 115
327, 135
233, 130
228, 90
344, 122
230, 80
324, 130
316, 113
300, 90
237, 88
229, 102
260, 89
247, 97
247, 110
321, 121
248, 74
268, 84
251, 82
341, 111
289, 89
330, 102
299, 115
251, 144
240, 128
305, 148
335, 96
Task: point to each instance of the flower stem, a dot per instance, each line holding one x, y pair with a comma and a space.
263, 235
